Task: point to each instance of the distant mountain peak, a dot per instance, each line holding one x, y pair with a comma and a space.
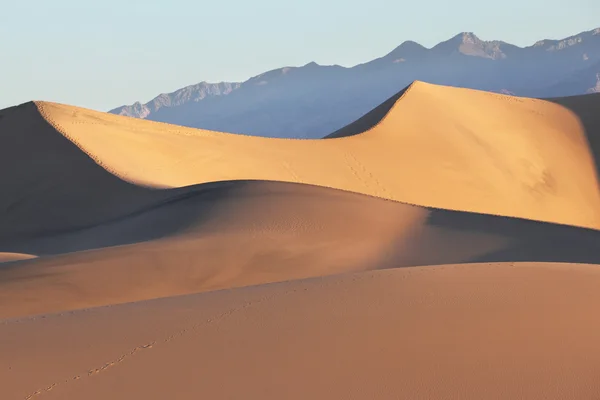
464, 38
468, 37
406, 51
410, 44
469, 44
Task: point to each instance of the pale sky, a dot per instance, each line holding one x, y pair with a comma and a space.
107, 53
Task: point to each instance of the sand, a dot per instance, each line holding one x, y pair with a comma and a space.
438, 147
492, 331
7, 257
249, 233
445, 245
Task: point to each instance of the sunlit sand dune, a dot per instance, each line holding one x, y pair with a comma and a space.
498, 331
77, 191
437, 146
450, 194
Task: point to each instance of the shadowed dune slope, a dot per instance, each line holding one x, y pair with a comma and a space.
248, 233
47, 185
587, 108
437, 146
369, 120
500, 331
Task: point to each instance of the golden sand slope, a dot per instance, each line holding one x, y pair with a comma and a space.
247, 233
438, 146
453, 332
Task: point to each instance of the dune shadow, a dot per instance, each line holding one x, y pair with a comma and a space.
370, 119
443, 237
587, 109
174, 212
526, 240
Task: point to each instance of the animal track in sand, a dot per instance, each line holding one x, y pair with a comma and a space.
91, 371
352, 161
134, 351
208, 321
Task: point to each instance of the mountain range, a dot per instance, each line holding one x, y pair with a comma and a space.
315, 100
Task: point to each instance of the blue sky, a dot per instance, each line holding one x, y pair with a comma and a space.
106, 53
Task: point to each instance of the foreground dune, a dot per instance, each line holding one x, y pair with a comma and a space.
247, 233
492, 331
437, 146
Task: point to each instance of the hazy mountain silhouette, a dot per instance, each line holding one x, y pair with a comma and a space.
314, 100
192, 93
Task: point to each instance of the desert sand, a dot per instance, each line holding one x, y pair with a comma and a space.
256, 232
491, 331
444, 245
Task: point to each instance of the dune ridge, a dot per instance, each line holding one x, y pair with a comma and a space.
91, 201
48, 185
249, 233
371, 119
478, 151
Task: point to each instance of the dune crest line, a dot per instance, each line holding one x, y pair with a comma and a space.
437, 146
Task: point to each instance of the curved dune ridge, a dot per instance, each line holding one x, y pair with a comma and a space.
498, 331
444, 245
440, 147
248, 233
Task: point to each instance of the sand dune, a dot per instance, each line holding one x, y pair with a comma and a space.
370, 120
246, 233
49, 186
438, 147
103, 240
443, 190
522, 331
